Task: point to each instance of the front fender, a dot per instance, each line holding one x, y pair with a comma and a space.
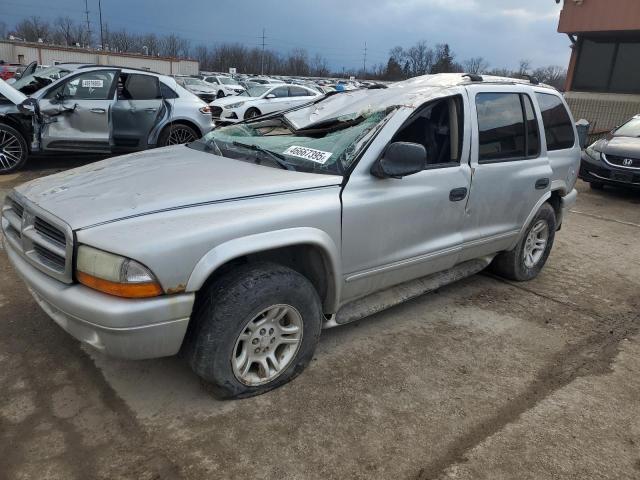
261, 242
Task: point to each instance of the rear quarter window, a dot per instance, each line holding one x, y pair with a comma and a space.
558, 127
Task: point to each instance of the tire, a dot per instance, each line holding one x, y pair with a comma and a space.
231, 322
516, 264
596, 185
14, 150
252, 112
220, 94
177, 134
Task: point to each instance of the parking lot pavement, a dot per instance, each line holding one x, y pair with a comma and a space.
483, 379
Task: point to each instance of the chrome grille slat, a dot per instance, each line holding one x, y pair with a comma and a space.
40, 237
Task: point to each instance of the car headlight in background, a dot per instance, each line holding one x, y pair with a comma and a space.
234, 105
114, 274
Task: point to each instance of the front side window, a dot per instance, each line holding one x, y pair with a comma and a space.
558, 127
503, 133
299, 92
94, 85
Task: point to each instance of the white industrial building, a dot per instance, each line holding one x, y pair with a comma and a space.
27, 52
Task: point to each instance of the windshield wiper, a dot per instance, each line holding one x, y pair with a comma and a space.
275, 157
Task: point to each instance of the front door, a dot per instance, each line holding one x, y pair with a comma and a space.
278, 103
77, 111
511, 171
139, 108
395, 230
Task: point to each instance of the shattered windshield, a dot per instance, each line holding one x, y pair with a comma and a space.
330, 147
42, 76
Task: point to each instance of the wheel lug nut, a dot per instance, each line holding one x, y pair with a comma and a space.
271, 331
262, 331
273, 340
255, 341
257, 350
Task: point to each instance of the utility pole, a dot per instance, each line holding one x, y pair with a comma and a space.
86, 11
101, 30
364, 59
262, 61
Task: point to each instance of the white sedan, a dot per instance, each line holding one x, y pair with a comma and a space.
260, 100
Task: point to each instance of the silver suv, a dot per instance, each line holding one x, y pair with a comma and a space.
100, 109
277, 227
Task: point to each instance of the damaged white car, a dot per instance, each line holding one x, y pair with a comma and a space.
95, 109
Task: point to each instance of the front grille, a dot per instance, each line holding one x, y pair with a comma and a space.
42, 239
49, 231
624, 162
49, 258
216, 112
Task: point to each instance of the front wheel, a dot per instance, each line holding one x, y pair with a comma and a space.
254, 329
251, 113
525, 262
177, 134
220, 94
13, 149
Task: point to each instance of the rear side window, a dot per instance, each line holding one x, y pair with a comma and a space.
281, 92
167, 92
557, 122
504, 135
298, 92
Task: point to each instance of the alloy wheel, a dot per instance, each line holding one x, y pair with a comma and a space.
536, 243
267, 345
11, 152
178, 136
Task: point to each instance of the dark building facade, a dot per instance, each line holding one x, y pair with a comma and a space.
603, 81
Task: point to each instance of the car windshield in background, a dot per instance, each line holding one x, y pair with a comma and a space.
228, 81
43, 76
629, 129
330, 148
256, 91
196, 82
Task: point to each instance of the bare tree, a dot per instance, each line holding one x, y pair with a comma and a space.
525, 66
319, 66
33, 29
420, 59
475, 65
3, 30
174, 46
123, 41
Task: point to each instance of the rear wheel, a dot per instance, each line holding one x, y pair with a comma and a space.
251, 113
177, 134
254, 329
13, 149
530, 255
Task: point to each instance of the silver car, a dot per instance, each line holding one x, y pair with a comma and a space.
99, 109
278, 227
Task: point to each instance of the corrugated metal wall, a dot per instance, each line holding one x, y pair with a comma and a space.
604, 111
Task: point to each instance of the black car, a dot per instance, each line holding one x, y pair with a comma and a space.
614, 160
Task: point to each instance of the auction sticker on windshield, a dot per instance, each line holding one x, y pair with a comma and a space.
92, 83
317, 156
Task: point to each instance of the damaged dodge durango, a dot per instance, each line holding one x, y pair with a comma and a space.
277, 227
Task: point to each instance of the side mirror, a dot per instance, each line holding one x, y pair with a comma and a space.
270, 96
400, 159
29, 106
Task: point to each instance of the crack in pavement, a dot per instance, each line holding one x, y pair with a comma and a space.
606, 219
589, 356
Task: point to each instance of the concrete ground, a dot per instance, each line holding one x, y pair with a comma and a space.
485, 379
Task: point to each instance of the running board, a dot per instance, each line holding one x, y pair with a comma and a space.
379, 301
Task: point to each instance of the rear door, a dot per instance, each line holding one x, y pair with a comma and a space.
511, 171
78, 111
138, 109
279, 102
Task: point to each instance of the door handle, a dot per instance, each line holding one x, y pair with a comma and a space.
98, 110
458, 194
542, 183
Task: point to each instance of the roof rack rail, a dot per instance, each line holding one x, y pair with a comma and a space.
532, 80
473, 77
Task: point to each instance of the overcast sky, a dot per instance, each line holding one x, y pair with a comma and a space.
502, 31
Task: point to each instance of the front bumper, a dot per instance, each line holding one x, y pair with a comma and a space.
598, 171
119, 327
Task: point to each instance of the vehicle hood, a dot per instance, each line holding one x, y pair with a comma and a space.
14, 96
620, 146
201, 89
221, 102
157, 180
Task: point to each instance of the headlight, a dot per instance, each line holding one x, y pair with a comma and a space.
234, 105
592, 152
115, 275
206, 110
